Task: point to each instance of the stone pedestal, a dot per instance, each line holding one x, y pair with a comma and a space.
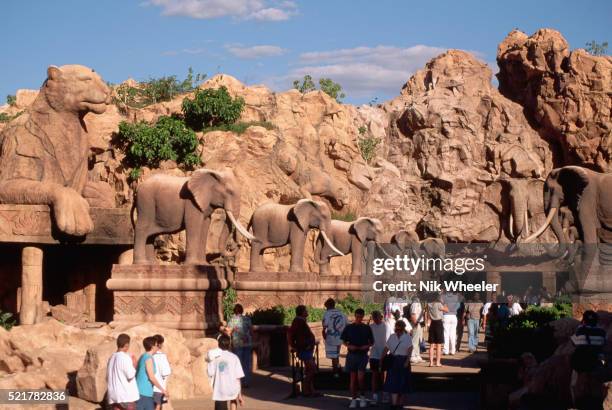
183, 297
261, 290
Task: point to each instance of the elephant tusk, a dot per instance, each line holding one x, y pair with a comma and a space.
382, 249
511, 225
239, 227
540, 231
526, 231
330, 244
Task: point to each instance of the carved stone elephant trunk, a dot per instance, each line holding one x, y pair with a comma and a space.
348, 237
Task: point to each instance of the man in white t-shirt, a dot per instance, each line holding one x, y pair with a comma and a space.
379, 330
334, 322
226, 371
162, 372
121, 377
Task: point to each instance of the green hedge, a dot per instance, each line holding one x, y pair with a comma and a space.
528, 332
284, 315
211, 108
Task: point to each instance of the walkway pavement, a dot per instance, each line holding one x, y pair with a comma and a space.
270, 389
450, 387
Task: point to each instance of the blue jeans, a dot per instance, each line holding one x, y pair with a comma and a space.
246, 361
473, 325
145, 403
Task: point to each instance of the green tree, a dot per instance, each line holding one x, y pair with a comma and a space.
11, 99
148, 145
306, 86
211, 107
331, 88
327, 85
367, 144
597, 49
155, 90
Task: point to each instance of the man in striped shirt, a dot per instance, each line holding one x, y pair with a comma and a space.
589, 340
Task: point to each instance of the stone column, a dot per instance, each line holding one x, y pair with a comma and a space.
90, 300
31, 284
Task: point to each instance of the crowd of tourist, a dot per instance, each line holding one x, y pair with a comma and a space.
390, 345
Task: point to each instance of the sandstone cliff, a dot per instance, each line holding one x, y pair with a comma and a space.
455, 154
567, 95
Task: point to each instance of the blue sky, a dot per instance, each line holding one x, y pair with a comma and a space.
370, 47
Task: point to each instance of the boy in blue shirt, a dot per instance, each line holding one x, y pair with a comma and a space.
145, 376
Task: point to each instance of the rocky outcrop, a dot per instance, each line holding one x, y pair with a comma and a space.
549, 382
453, 137
49, 359
567, 95
65, 357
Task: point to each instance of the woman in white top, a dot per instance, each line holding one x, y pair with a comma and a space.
399, 345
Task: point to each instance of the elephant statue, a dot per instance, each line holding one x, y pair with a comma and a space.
348, 237
587, 194
168, 204
277, 225
518, 203
406, 241
524, 205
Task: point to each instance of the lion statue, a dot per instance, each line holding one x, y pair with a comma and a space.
45, 151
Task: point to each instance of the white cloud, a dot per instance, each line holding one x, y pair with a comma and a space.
262, 10
364, 71
255, 51
192, 51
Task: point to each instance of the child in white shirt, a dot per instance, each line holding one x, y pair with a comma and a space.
225, 372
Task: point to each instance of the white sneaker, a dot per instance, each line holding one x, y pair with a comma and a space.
363, 402
353, 404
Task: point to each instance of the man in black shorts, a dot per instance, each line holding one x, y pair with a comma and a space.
358, 339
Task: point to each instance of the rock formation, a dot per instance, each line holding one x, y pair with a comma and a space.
64, 357
567, 95
452, 136
550, 381
455, 154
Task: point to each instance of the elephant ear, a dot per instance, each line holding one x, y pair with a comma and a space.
200, 186
302, 210
573, 180
360, 227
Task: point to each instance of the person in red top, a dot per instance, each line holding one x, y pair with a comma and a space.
302, 341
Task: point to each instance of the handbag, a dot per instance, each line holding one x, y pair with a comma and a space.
387, 361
